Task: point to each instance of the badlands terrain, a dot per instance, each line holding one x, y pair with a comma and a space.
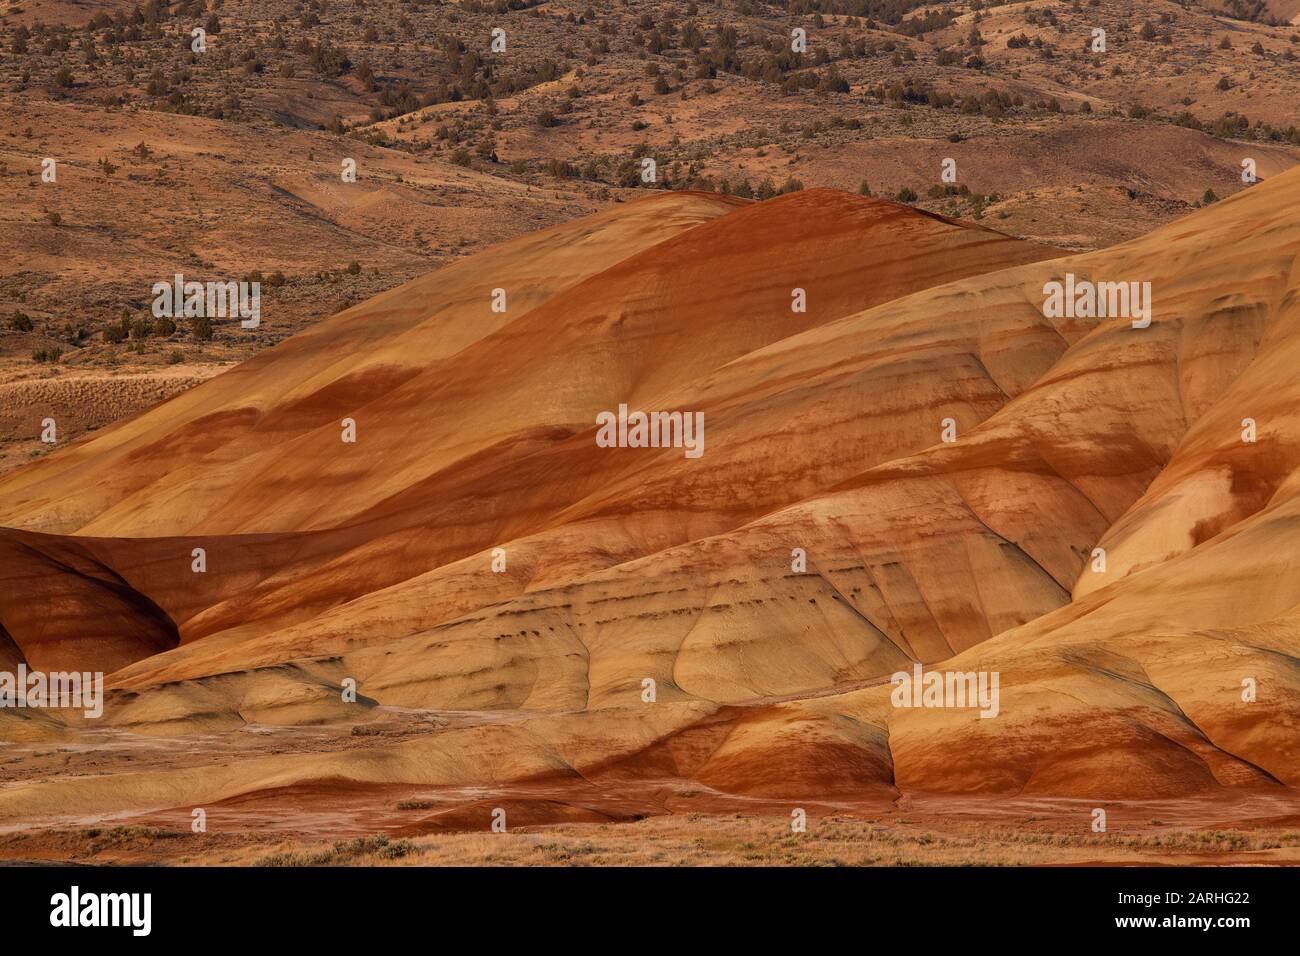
367, 580
499, 588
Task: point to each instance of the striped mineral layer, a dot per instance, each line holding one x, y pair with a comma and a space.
920, 467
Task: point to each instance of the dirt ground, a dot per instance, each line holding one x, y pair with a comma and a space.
607, 820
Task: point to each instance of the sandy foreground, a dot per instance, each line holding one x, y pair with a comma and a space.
931, 834
608, 820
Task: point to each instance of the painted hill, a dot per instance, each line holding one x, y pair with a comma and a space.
825, 436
